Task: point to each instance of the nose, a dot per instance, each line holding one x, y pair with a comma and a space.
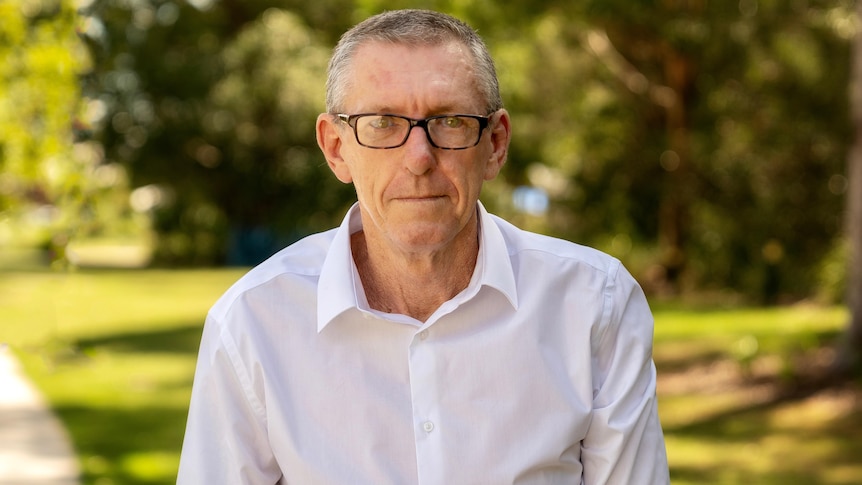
418, 152
423, 128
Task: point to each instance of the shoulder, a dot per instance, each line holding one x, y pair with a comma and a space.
538, 248
301, 260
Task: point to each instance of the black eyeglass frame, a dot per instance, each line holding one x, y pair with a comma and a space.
351, 121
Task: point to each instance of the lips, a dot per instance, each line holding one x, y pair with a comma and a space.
420, 198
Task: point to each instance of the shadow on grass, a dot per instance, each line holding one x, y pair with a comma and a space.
679, 363
182, 337
130, 441
126, 441
673, 355
814, 409
768, 454
129, 447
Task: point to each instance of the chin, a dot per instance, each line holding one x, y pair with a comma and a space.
428, 237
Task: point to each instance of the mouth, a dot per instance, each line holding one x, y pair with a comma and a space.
419, 198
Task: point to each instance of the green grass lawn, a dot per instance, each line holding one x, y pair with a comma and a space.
114, 353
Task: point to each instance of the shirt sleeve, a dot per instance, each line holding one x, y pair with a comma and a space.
226, 436
625, 443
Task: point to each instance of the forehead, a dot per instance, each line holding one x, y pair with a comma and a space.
411, 78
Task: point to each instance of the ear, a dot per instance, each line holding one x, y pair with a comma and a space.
329, 140
501, 134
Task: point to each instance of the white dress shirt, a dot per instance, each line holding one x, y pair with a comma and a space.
539, 372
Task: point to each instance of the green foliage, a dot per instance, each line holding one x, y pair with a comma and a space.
213, 109
54, 188
38, 100
708, 130
707, 135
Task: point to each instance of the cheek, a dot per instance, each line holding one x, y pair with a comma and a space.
473, 181
366, 183
360, 186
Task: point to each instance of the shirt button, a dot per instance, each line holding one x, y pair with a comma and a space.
423, 335
428, 426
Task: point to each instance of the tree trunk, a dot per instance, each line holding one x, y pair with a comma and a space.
674, 215
851, 355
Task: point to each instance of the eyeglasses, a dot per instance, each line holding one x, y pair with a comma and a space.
449, 132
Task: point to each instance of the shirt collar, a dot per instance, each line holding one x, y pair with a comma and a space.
340, 289
339, 286
494, 264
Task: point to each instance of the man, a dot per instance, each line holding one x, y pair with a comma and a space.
424, 340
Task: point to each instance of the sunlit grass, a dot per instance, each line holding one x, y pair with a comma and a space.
724, 426
114, 353
674, 323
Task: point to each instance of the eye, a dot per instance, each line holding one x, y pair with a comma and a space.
452, 122
382, 122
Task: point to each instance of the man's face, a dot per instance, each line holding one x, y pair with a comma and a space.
415, 197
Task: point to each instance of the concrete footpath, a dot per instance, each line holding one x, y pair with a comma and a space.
34, 446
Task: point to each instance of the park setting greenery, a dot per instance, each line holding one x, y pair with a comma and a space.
152, 150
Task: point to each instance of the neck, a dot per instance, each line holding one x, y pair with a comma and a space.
415, 284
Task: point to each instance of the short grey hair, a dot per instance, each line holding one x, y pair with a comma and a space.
410, 27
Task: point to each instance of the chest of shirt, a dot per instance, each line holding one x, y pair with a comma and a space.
483, 394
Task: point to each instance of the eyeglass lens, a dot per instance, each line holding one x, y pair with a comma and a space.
389, 131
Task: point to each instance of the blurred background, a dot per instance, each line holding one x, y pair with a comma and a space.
704, 143
152, 150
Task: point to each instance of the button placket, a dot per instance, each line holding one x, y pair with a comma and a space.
425, 402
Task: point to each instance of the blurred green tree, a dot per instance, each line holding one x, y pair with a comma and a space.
744, 125
211, 106
701, 142
53, 186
